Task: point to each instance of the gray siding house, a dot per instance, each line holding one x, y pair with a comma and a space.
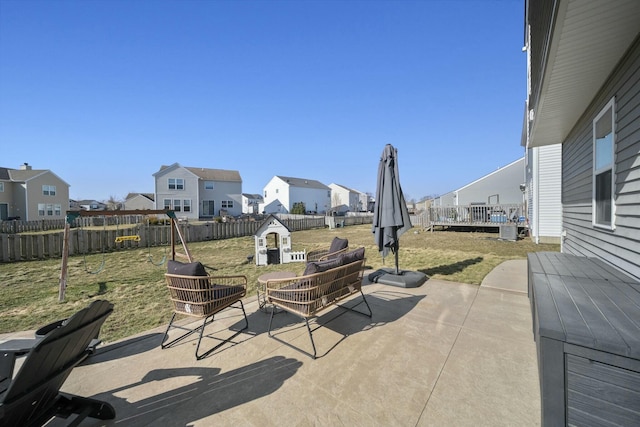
501, 186
196, 193
584, 93
32, 194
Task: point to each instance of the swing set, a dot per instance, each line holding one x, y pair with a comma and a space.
73, 215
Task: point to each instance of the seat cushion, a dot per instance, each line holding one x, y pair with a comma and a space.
186, 269
222, 291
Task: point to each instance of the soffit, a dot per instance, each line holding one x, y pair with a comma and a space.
589, 39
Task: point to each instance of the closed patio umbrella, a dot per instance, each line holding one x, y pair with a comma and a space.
391, 220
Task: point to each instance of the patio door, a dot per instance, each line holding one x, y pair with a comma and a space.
208, 208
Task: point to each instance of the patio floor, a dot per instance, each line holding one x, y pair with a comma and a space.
442, 354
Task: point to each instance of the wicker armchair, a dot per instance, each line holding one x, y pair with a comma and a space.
196, 294
337, 247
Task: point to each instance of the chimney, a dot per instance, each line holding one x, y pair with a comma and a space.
25, 167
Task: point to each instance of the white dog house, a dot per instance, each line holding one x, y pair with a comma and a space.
273, 244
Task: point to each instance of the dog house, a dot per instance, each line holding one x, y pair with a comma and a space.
273, 244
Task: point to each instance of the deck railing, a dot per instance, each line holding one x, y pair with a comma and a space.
477, 215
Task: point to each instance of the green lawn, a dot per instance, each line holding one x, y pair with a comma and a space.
29, 290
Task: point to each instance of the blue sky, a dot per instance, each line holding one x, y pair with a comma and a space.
104, 92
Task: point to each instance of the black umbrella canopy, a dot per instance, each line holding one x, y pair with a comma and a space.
390, 215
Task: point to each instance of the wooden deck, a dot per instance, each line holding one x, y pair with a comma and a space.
474, 216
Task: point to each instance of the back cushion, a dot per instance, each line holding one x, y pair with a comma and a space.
338, 244
186, 269
321, 266
352, 256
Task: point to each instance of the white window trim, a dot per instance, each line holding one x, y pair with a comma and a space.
177, 182
610, 105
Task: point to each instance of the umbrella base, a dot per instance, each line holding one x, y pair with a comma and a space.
405, 278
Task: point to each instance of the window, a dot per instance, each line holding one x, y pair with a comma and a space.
603, 160
177, 206
49, 190
1, 187
208, 185
48, 209
167, 203
176, 184
186, 205
227, 204
265, 194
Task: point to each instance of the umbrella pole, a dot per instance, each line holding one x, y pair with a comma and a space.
396, 254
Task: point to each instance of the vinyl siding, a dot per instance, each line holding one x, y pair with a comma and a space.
621, 246
505, 183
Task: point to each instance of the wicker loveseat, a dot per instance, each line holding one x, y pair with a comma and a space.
323, 284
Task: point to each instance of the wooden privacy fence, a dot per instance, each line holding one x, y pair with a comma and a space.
19, 226
25, 247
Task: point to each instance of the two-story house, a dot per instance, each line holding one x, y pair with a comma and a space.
345, 199
251, 203
282, 192
139, 201
198, 192
32, 194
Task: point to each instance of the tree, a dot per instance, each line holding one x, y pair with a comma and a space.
113, 204
299, 208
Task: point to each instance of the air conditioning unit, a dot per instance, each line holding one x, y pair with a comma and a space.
509, 232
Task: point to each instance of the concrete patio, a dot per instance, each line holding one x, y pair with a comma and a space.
443, 354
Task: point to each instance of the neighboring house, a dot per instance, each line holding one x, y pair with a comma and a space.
282, 192
29, 194
139, 201
363, 202
446, 199
92, 205
251, 203
424, 204
499, 187
543, 193
584, 93
198, 192
344, 199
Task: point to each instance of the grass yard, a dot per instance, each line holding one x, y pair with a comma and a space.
29, 290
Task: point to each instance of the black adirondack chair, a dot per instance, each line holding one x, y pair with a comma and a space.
33, 396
